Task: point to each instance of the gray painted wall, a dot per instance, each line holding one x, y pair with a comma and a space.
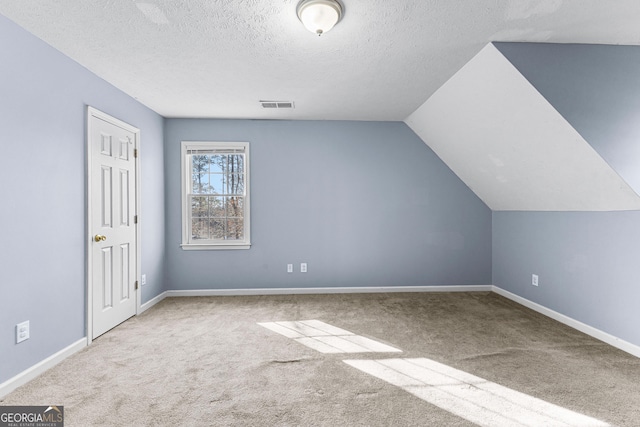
43, 99
596, 88
363, 203
587, 264
587, 261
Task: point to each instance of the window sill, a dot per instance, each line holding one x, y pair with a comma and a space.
213, 247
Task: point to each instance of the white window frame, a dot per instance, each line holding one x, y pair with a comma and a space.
186, 170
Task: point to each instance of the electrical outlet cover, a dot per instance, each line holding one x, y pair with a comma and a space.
22, 332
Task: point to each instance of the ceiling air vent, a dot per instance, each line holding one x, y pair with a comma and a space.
277, 104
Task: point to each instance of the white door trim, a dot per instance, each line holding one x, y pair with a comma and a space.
93, 112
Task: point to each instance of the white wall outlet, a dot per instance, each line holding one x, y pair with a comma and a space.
143, 279
534, 279
22, 332
289, 268
303, 267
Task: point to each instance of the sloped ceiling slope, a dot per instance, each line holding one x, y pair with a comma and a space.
596, 88
512, 147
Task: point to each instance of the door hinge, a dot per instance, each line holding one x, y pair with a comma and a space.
135, 152
136, 285
135, 219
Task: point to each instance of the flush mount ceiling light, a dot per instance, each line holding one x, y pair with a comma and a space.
319, 16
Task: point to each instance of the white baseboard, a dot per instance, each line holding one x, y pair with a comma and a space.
575, 324
315, 291
40, 367
153, 301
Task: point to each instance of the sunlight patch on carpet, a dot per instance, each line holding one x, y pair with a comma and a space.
475, 399
326, 338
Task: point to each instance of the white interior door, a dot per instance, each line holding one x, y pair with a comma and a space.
112, 226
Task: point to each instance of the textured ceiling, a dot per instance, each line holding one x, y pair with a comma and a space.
218, 58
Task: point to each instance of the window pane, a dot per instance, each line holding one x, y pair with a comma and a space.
235, 173
218, 163
235, 229
200, 174
216, 207
196, 179
235, 184
199, 229
236, 163
199, 164
217, 184
217, 229
235, 207
206, 184
199, 207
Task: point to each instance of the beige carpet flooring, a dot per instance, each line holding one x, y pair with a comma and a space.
205, 361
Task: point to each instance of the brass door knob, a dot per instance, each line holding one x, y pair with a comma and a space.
100, 238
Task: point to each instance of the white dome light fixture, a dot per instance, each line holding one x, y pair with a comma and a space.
319, 16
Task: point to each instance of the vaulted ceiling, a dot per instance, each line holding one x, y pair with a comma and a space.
509, 141
218, 58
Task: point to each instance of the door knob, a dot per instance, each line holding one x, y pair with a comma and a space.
100, 238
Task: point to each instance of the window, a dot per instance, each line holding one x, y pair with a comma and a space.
215, 195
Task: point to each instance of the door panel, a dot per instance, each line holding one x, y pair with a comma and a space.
106, 196
124, 198
106, 281
113, 245
125, 270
